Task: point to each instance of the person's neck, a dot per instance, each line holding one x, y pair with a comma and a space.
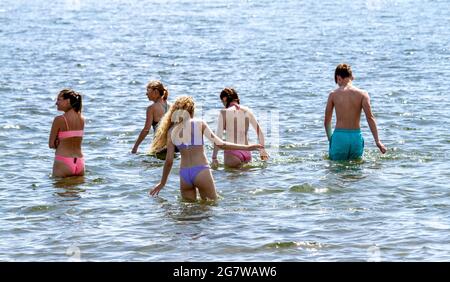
345, 84
69, 110
159, 100
234, 103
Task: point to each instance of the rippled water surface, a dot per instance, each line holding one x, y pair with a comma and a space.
280, 56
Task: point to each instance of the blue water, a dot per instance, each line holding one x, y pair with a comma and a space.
280, 56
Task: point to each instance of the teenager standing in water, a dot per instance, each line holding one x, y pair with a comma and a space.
158, 94
179, 129
346, 142
235, 120
66, 135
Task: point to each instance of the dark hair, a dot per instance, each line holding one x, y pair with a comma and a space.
162, 90
75, 98
231, 95
343, 70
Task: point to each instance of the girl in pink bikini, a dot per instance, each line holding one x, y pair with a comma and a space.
179, 129
235, 120
66, 135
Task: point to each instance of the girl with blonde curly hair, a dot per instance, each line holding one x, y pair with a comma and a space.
179, 129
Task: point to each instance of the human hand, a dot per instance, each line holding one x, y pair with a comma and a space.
57, 142
214, 163
155, 190
134, 150
263, 154
381, 147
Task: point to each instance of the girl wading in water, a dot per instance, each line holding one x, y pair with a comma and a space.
179, 129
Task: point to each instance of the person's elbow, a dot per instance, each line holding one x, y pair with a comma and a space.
169, 161
370, 119
221, 146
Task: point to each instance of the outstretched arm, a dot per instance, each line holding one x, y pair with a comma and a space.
226, 145
167, 167
259, 132
219, 133
145, 130
371, 121
328, 116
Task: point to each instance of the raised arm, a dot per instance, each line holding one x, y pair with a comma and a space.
371, 121
219, 133
226, 145
145, 130
167, 167
53, 141
259, 132
328, 116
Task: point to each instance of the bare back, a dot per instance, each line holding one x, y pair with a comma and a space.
71, 147
194, 153
158, 111
348, 103
236, 123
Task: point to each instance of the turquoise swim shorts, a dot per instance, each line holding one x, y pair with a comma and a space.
346, 144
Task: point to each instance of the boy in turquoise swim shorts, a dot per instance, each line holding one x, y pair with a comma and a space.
346, 142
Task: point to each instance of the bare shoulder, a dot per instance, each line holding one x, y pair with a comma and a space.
58, 119
245, 109
360, 91
150, 109
58, 122
82, 119
332, 94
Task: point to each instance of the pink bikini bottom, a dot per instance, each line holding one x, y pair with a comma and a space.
76, 165
244, 156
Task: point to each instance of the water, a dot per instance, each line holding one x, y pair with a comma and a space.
280, 56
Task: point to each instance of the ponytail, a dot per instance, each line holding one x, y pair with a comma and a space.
165, 94
162, 90
76, 102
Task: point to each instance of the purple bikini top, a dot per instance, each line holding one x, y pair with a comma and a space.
193, 142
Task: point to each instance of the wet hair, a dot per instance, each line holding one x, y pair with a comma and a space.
75, 98
343, 70
162, 90
231, 95
181, 111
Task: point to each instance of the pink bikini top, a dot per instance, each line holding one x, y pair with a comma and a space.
234, 104
69, 133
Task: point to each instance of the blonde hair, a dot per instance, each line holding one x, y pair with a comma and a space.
156, 84
175, 116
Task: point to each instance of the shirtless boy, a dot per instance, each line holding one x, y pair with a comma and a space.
346, 142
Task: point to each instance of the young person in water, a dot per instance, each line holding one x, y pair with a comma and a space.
179, 129
346, 142
235, 120
66, 135
157, 93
